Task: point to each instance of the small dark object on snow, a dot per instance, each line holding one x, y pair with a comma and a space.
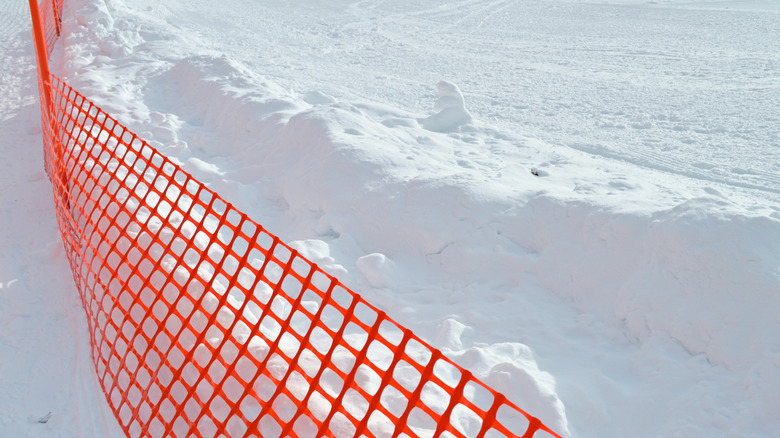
534, 172
45, 419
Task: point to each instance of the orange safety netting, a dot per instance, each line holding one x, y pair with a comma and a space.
202, 323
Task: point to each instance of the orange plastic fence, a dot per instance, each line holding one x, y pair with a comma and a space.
202, 323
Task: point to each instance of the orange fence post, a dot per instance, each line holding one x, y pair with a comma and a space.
41, 52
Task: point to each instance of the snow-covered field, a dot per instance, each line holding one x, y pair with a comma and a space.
579, 201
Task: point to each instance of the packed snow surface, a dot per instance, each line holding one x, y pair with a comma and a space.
578, 201
48, 386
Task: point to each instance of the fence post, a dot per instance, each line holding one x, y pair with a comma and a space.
42, 53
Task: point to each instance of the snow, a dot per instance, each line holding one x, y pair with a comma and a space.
48, 386
452, 113
577, 201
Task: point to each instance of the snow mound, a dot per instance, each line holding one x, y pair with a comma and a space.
630, 283
452, 110
377, 269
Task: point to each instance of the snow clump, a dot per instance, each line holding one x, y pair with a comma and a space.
452, 110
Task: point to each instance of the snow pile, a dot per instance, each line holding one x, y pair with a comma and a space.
452, 110
628, 292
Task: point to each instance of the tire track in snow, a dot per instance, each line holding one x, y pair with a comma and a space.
655, 161
500, 7
463, 12
474, 7
722, 174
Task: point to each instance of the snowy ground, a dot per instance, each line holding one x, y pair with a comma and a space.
48, 386
629, 288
